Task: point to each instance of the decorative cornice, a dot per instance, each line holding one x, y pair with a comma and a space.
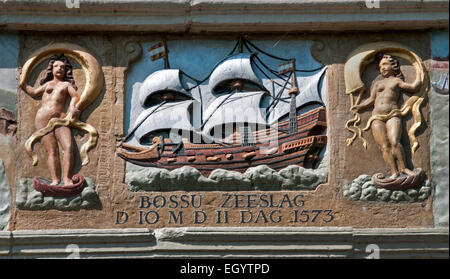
222, 16
285, 242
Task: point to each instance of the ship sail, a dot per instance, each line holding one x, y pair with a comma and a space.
167, 80
309, 93
173, 116
236, 67
236, 108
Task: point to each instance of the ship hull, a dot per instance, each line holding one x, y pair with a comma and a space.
276, 151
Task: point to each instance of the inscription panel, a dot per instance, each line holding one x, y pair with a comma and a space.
234, 209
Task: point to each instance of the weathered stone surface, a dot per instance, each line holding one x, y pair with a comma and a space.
9, 49
352, 191
155, 179
191, 179
264, 178
27, 198
227, 16
8, 124
384, 194
217, 243
230, 180
439, 142
7, 171
299, 178
369, 194
424, 191
257, 178
5, 198
362, 188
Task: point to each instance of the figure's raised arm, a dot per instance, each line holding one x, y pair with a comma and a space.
33, 92
411, 87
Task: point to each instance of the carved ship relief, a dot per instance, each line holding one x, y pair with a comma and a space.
249, 121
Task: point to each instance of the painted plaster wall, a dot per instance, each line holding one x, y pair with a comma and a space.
5, 198
9, 50
440, 133
9, 53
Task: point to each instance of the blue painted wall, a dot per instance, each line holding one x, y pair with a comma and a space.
9, 55
439, 43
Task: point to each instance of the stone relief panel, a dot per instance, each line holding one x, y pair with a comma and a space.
386, 123
228, 131
225, 113
54, 123
352, 166
36, 199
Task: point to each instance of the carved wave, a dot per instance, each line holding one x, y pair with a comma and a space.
363, 188
260, 178
27, 198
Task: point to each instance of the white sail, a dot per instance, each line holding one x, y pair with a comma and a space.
238, 66
234, 108
308, 93
160, 81
172, 115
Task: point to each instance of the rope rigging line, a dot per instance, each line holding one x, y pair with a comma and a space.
140, 123
279, 58
223, 101
270, 70
199, 82
277, 98
262, 51
273, 81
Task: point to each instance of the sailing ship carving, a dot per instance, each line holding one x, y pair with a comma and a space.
243, 117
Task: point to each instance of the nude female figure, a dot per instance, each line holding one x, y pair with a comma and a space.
54, 88
384, 97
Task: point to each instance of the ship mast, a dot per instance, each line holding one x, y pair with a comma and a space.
293, 92
237, 84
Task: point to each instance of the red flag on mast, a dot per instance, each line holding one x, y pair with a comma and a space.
159, 51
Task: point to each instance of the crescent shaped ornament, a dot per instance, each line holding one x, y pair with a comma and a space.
92, 69
360, 58
94, 84
355, 66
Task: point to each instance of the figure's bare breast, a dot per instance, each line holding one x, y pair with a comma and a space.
387, 96
53, 103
